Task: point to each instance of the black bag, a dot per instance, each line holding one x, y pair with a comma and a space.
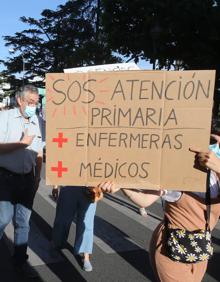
190, 246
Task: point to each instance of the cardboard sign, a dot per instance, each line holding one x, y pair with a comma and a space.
132, 127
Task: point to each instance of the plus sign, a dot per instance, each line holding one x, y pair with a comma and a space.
60, 140
59, 169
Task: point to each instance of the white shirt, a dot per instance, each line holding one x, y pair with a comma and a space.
12, 127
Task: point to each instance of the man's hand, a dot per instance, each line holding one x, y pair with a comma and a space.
23, 143
26, 139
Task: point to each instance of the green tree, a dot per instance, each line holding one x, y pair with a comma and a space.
178, 30
180, 34
70, 36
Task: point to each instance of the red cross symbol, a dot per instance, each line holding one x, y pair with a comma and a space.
59, 169
60, 140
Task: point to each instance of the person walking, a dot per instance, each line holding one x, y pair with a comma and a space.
75, 200
20, 167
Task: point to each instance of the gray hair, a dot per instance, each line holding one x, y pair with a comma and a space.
26, 88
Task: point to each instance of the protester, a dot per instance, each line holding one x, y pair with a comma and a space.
20, 166
75, 201
184, 211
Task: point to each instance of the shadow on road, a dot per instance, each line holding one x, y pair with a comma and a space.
64, 270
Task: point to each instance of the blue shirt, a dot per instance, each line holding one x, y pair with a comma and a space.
12, 126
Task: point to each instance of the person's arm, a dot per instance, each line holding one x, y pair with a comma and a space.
9, 147
141, 198
23, 143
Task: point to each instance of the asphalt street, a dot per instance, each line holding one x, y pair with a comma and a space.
121, 243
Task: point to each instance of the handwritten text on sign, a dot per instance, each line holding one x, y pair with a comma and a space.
133, 127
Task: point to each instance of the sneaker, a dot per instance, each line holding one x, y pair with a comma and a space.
26, 270
87, 266
143, 212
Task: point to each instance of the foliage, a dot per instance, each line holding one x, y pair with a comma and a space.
186, 31
171, 34
70, 36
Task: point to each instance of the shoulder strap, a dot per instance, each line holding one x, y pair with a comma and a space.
208, 201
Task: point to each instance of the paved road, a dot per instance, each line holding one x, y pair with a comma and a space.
120, 244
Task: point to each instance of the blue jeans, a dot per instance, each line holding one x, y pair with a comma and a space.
20, 216
73, 200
